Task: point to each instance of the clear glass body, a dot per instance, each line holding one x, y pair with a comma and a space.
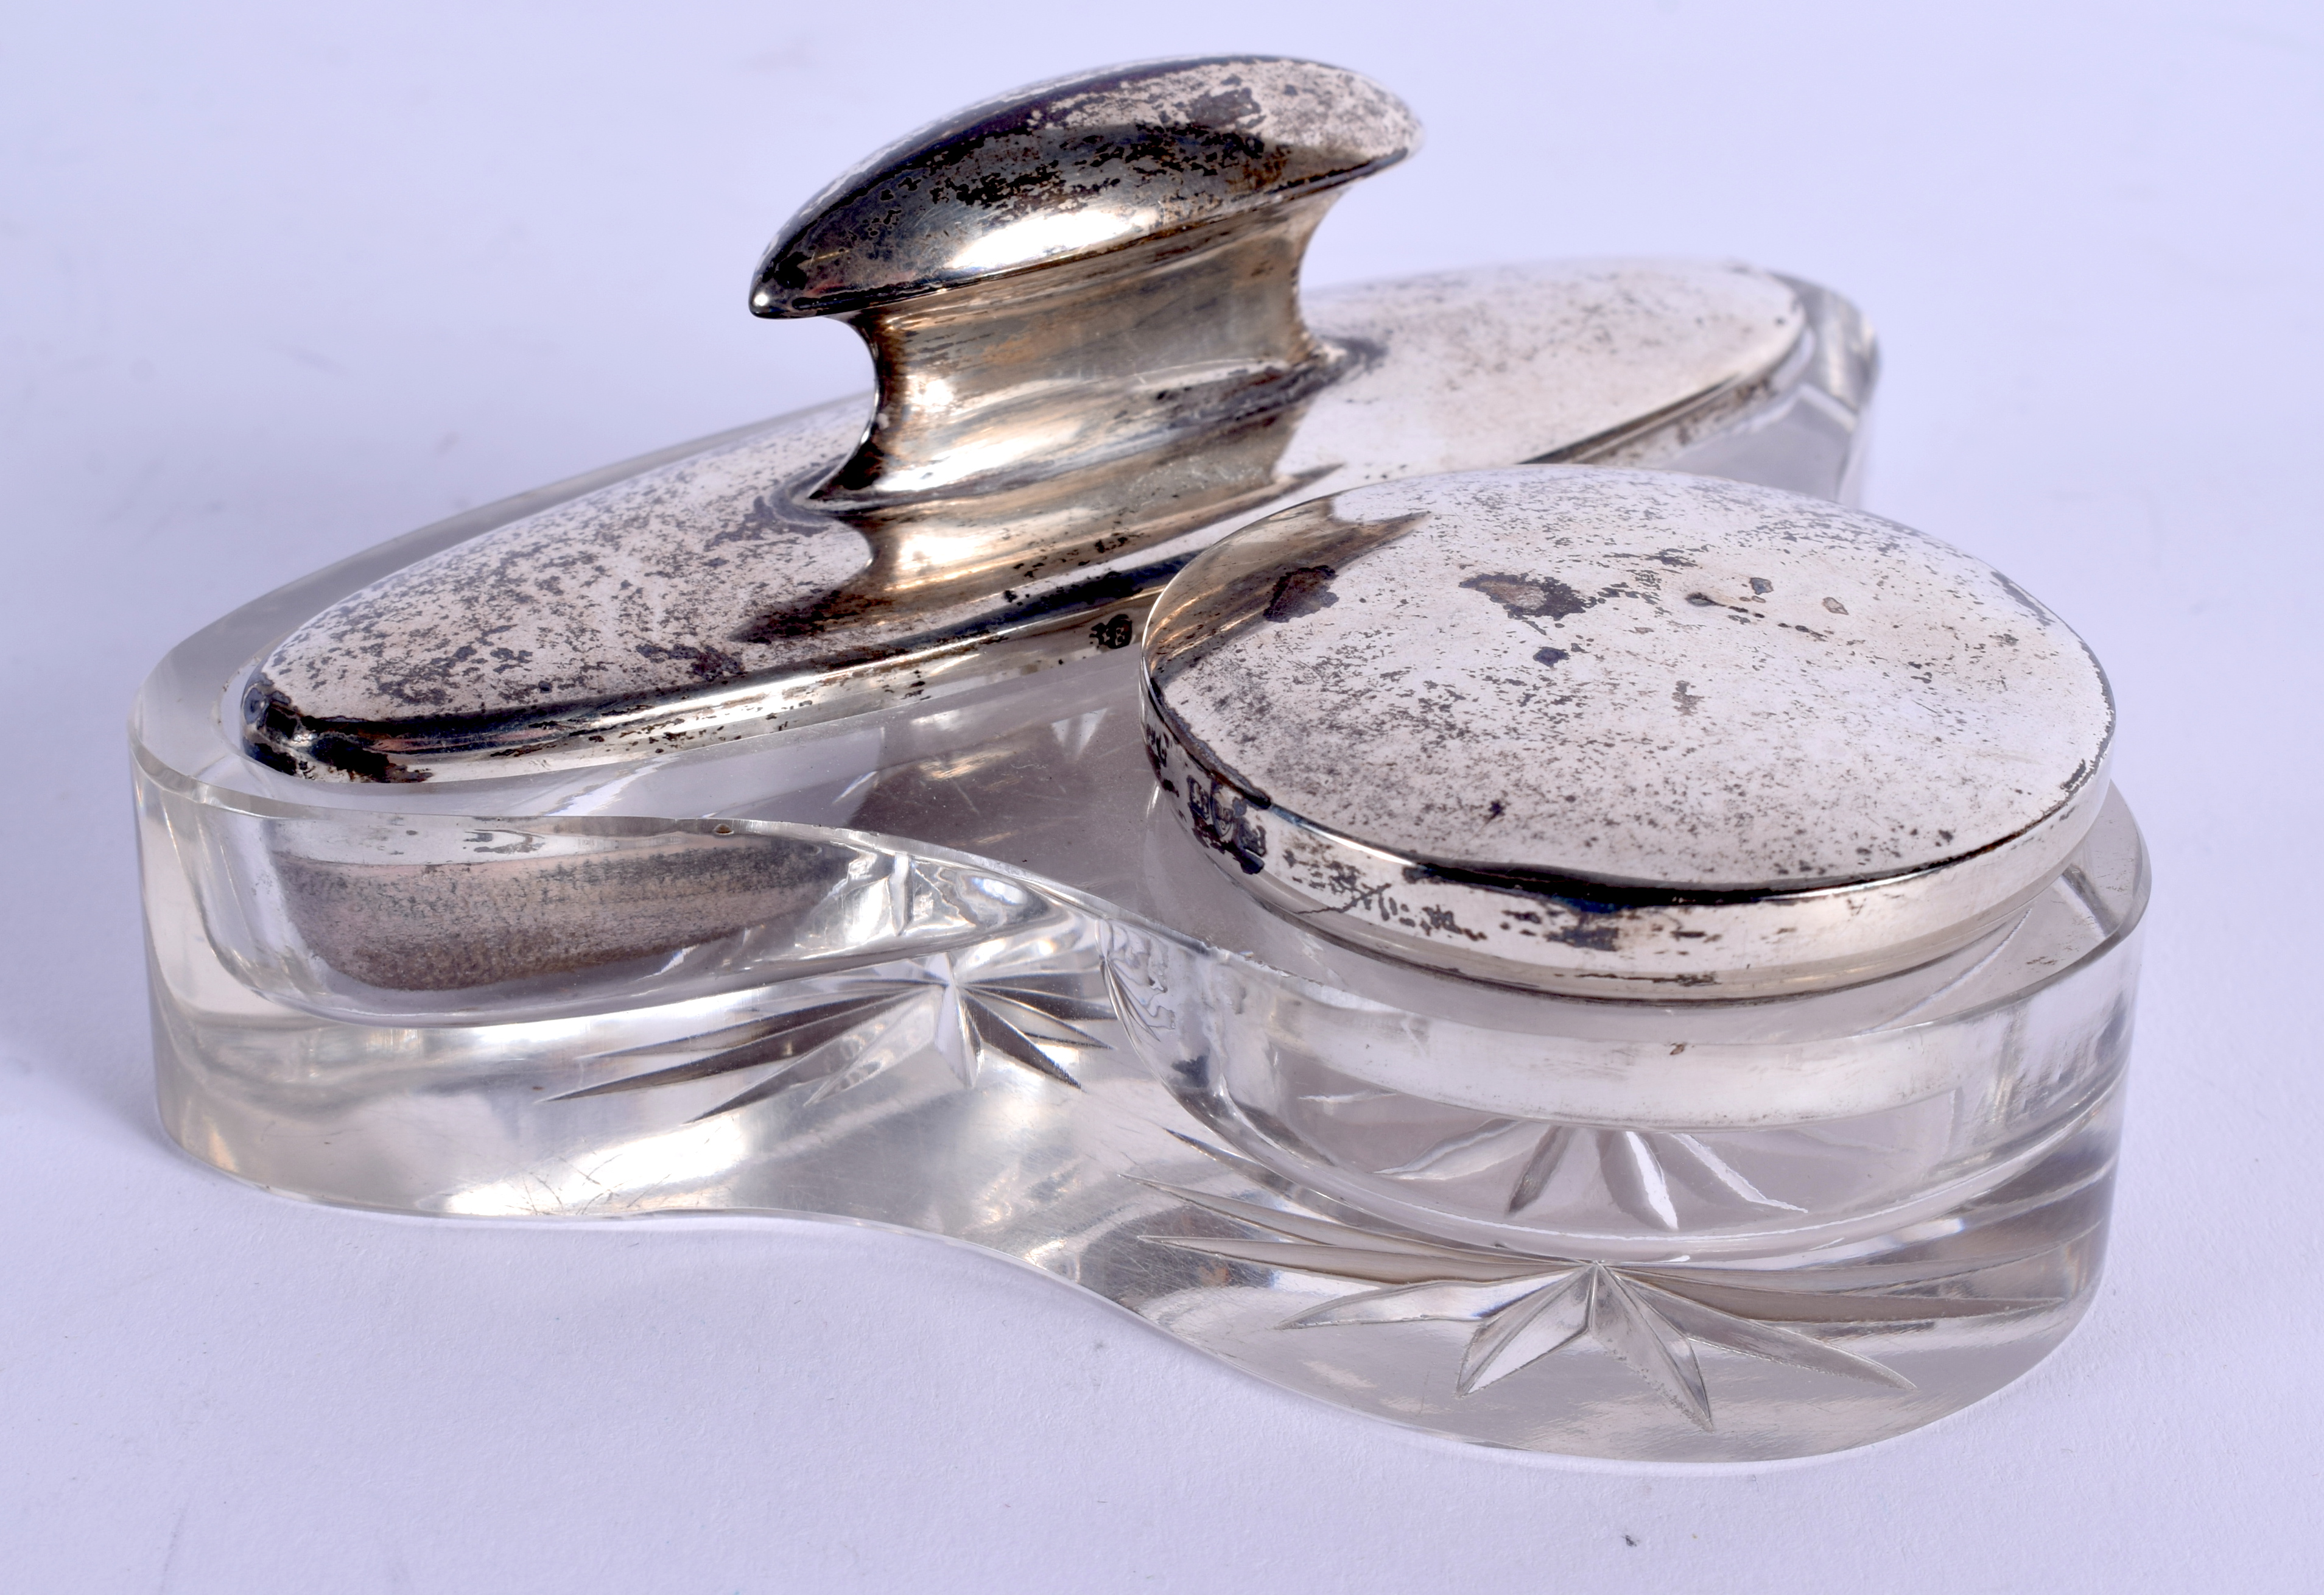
951, 967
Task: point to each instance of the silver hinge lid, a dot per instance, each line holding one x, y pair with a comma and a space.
1623, 733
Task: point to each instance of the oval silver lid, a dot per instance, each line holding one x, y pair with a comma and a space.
1623, 733
1093, 359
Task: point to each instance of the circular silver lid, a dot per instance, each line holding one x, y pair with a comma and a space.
1622, 732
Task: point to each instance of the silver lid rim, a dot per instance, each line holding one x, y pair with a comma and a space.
1589, 938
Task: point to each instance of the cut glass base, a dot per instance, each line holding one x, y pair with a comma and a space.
953, 968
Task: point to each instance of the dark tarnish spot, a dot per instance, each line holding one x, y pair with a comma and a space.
337, 751
1761, 587
1303, 591
1435, 921
268, 712
764, 517
273, 729
1530, 597
1687, 701
1113, 634
1222, 109
825, 613
708, 664
1835, 606
1594, 935
1593, 926
1551, 656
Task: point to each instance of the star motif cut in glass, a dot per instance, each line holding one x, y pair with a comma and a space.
1650, 1316
1637, 1167
867, 1027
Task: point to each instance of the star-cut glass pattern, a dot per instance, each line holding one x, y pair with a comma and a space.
964, 1011
1650, 1316
1640, 1169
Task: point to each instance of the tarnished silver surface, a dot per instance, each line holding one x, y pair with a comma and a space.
1074, 167
707, 835
1624, 731
1059, 426
1078, 274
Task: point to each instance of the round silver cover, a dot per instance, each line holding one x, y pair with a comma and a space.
1624, 733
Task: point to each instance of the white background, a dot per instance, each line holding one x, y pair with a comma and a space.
278, 283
